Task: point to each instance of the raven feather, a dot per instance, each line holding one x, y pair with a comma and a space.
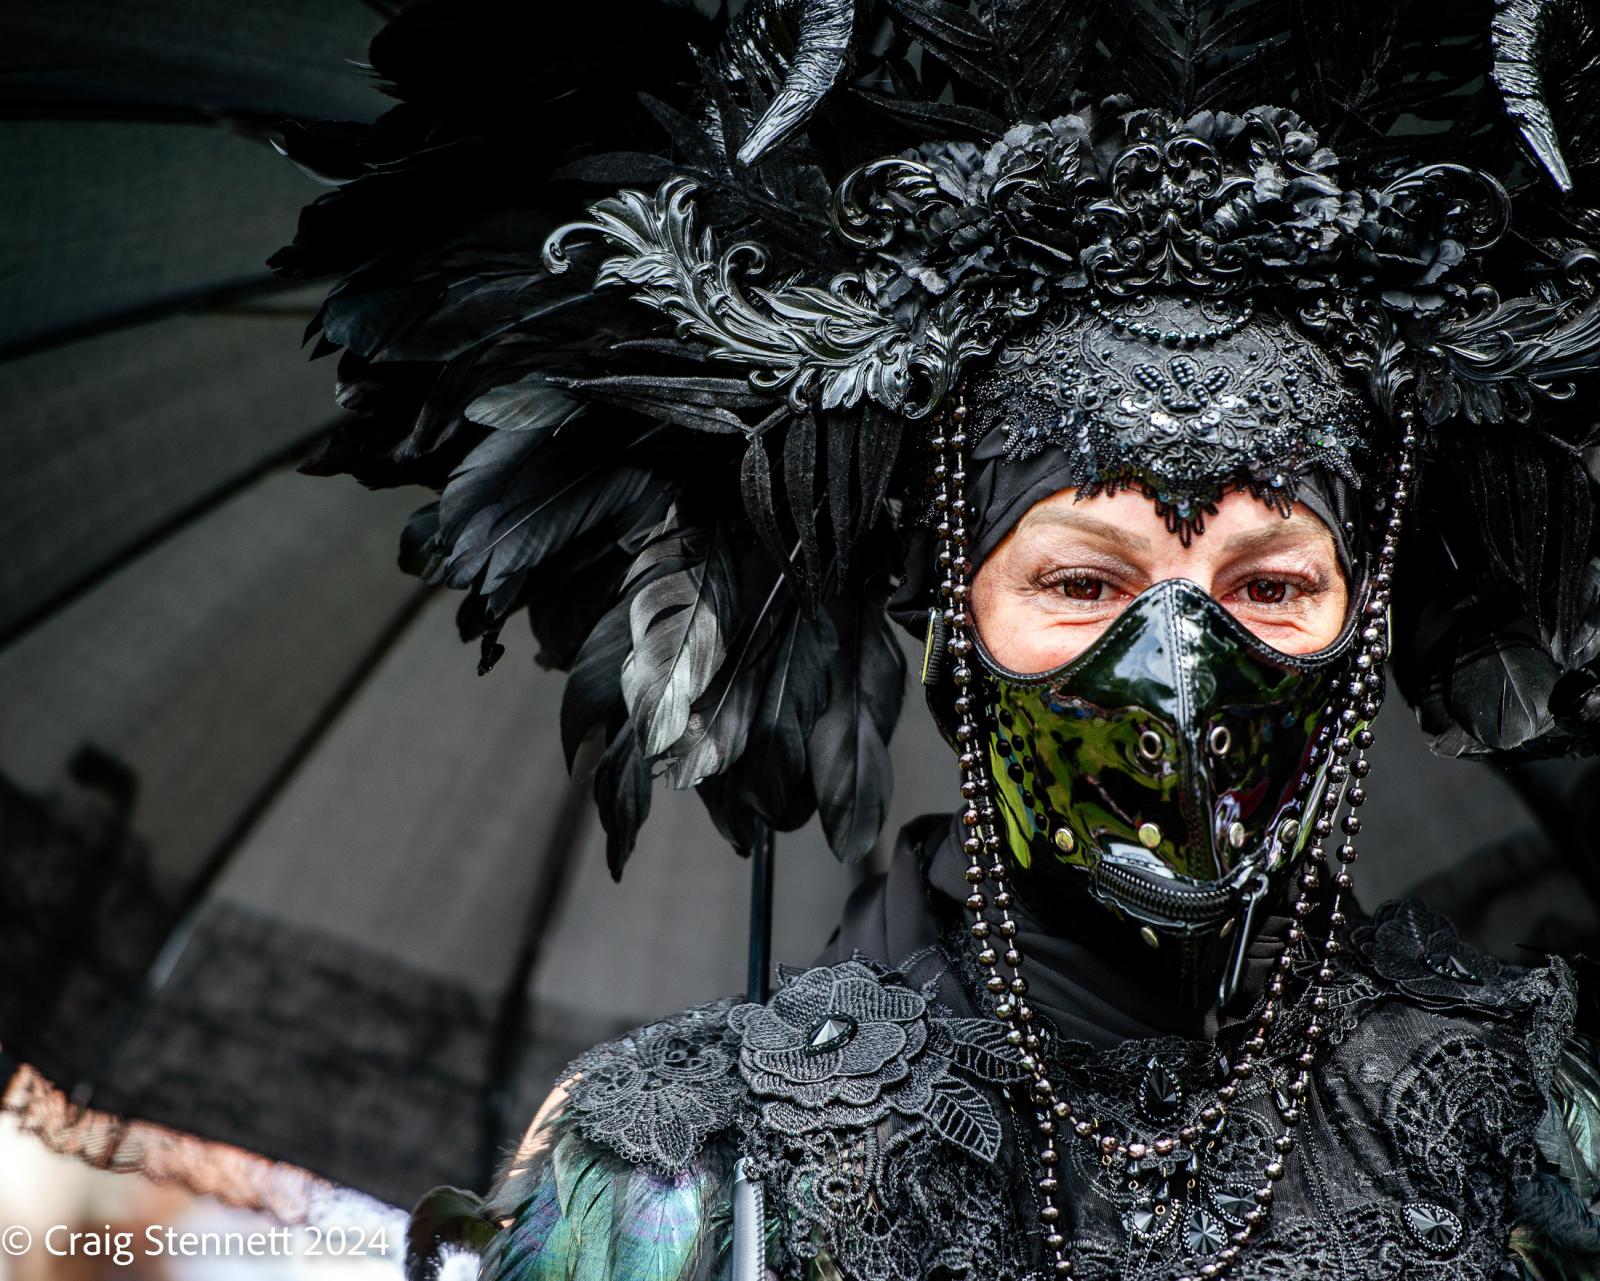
679, 622
847, 749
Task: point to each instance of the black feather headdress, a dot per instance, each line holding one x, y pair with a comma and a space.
830, 210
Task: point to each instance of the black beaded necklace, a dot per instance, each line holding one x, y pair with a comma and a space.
1342, 745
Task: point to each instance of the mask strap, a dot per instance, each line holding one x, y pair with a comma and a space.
1254, 892
933, 647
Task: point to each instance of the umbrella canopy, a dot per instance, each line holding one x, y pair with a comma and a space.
284, 885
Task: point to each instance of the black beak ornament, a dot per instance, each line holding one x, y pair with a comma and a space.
799, 48
1521, 32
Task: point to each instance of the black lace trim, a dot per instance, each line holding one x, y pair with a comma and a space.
655, 1095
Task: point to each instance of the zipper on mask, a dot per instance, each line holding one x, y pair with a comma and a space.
1181, 902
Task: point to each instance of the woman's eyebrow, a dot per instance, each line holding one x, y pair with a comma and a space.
1092, 526
1296, 529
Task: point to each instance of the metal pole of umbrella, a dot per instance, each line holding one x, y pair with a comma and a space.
760, 912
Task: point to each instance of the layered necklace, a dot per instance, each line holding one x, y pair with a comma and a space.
1340, 752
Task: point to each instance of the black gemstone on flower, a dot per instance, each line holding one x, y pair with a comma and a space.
1449, 965
829, 1033
1206, 1236
1432, 1225
1143, 1220
1159, 1094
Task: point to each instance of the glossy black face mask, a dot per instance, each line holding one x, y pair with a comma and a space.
1160, 777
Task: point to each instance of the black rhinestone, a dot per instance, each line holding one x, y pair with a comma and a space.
1432, 1225
1234, 1205
1206, 1236
1159, 1094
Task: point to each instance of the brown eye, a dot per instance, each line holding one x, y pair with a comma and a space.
1266, 591
1083, 587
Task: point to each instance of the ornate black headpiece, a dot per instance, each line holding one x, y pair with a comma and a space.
842, 221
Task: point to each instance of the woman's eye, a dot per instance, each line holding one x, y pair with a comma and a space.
1266, 591
1083, 587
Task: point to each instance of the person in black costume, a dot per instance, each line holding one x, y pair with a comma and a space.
1164, 419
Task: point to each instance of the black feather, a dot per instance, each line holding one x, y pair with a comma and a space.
533, 403
681, 610
847, 749
799, 485
698, 403
755, 488
593, 693
622, 796
421, 553
772, 768
956, 37
841, 449
512, 504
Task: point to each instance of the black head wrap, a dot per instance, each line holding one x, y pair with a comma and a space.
1000, 492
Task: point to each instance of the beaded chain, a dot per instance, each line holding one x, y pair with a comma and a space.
1213, 333
1341, 746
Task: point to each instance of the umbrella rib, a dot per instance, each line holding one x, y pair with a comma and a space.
112, 564
258, 126
212, 298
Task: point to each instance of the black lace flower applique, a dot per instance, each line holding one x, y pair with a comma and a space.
655, 1095
1413, 947
842, 1047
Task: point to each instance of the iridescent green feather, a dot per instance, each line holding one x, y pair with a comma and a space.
1577, 1087
1537, 1263
1558, 1238
659, 1223
445, 1218
586, 1182
590, 1216
537, 1235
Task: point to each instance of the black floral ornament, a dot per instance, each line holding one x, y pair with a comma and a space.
1218, 202
655, 1095
843, 1047
1418, 950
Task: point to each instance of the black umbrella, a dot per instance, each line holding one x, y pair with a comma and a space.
279, 873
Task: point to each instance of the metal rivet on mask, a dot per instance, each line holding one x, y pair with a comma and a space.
1236, 834
1287, 831
1221, 739
1149, 835
1149, 936
1065, 841
1150, 745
